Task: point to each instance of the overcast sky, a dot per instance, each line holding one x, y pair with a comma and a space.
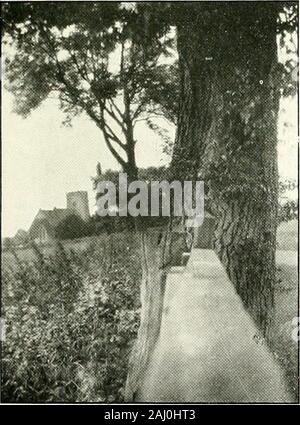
42, 159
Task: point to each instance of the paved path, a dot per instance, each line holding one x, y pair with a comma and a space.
209, 349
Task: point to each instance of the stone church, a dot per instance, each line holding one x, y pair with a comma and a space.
42, 229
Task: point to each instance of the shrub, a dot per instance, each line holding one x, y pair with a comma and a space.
73, 227
71, 320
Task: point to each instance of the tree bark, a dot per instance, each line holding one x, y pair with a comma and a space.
227, 135
152, 296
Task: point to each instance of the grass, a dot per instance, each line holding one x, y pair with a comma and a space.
71, 320
72, 317
282, 344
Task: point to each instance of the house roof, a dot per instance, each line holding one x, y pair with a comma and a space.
49, 219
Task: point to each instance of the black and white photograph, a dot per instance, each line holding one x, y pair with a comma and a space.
149, 213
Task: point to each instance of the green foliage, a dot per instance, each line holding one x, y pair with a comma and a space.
288, 207
71, 320
288, 211
112, 61
73, 227
95, 60
145, 174
112, 224
118, 223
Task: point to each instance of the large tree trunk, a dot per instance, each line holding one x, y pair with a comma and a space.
153, 249
227, 136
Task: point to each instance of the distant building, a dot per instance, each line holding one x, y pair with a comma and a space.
78, 203
45, 222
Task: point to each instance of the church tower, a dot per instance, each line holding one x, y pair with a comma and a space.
78, 203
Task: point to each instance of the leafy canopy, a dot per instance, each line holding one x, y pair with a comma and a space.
96, 58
